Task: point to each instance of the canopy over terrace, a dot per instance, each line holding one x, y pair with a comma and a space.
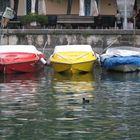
126, 7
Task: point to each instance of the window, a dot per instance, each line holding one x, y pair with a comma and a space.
28, 6
87, 7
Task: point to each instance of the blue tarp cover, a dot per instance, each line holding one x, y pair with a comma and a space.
119, 60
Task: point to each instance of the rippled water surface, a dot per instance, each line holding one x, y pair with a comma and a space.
48, 106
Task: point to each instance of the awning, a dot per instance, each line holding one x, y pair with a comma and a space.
33, 6
82, 8
129, 4
41, 7
94, 9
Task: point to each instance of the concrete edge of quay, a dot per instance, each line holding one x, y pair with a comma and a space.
99, 39
73, 31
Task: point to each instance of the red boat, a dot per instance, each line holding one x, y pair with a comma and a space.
20, 59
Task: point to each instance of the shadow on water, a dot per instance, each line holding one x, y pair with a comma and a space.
120, 76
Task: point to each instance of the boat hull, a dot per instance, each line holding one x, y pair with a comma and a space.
73, 62
21, 67
122, 59
20, 62
73, 68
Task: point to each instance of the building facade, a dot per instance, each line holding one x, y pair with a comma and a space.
60, 7
52, 7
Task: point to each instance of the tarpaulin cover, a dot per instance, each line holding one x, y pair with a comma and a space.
120, 51
120, 60
73, 48
10, 58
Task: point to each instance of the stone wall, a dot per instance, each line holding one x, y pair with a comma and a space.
98, 39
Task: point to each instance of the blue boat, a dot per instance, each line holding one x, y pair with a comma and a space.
123, 59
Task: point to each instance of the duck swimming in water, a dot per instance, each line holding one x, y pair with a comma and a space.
85, 101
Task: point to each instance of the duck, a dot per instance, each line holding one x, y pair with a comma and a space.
85, 101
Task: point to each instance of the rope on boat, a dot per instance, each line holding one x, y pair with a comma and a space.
98, 54
111, 44
45, 46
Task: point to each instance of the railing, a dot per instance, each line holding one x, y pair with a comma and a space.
73, 22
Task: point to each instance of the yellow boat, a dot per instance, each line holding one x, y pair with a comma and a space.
73, 58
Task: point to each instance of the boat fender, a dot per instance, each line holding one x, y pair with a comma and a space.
43, 61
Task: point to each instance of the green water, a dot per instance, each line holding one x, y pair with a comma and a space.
48, 106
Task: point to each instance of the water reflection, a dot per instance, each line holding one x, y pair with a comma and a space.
19, 88
49, 106
18, 100
118, 99
68, 91
73, 87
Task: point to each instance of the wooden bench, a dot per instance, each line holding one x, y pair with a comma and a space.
75, 21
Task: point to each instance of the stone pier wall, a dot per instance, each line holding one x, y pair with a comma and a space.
98, 39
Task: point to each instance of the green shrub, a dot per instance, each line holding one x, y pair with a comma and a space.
27, 19
42, 19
